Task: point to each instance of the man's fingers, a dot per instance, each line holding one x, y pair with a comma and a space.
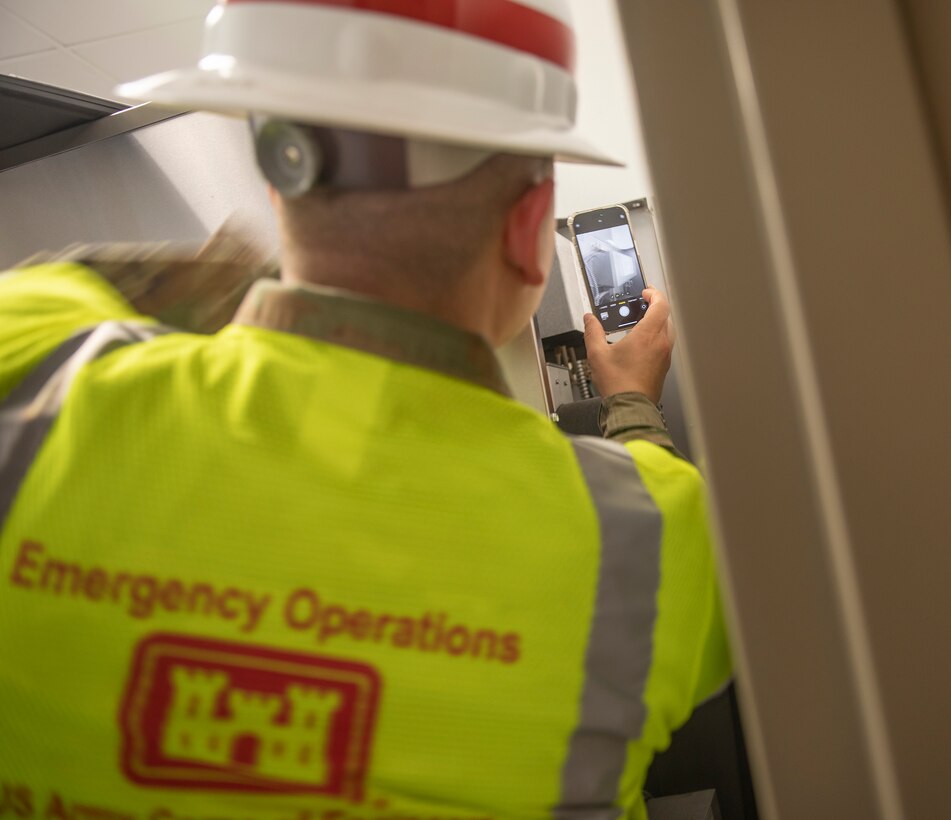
594, 335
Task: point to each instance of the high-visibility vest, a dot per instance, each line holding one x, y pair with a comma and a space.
255, 575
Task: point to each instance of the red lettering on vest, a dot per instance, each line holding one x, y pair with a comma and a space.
23, 563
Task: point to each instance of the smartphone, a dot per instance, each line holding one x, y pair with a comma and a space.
612, 269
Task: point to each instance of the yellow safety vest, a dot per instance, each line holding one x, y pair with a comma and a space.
255, 575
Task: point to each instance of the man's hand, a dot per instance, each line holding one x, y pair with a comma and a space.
640, 361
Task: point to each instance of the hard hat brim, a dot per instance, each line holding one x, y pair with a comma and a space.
378, 107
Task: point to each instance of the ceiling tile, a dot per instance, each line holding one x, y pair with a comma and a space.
17, 38
61, 69
132, 56
80, 21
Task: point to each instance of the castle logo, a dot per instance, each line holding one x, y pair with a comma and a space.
210, 714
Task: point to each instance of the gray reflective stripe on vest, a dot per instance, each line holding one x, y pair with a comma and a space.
28, 413
618, 656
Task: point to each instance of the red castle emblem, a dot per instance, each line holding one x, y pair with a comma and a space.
210, 714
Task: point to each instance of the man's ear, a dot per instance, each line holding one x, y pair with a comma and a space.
522, 240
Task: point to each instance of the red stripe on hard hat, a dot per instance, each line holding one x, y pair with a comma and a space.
501, 21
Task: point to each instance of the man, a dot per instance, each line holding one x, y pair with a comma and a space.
319, 564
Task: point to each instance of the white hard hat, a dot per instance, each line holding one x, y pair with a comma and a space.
494, 75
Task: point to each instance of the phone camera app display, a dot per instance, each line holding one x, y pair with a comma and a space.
613, 271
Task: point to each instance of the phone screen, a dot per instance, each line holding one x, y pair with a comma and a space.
611, 267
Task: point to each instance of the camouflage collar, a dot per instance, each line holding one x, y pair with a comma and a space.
351, 320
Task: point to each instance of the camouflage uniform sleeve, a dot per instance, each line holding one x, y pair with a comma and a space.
192, 288
628, 417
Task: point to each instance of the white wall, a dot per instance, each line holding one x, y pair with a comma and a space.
178, 179
606, 115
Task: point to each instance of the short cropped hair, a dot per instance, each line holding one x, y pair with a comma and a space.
426, 237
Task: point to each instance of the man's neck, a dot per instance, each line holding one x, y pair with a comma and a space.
462, 306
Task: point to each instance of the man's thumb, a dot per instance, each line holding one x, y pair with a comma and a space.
594, 335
